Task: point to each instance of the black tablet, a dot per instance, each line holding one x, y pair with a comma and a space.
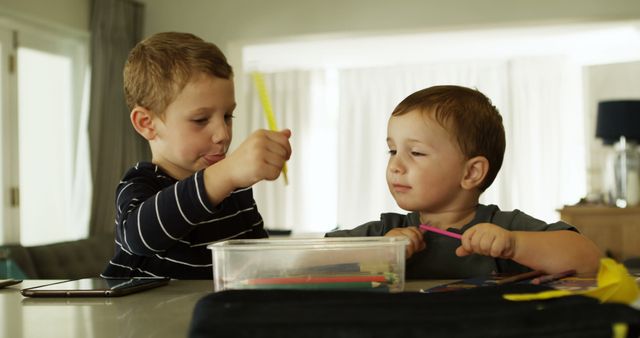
94, 287
7, 282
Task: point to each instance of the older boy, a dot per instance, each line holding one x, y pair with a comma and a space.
446, 145
181, 95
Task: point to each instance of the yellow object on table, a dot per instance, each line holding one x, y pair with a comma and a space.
614, 285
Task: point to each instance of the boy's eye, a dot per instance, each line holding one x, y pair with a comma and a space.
201, 121
392, 152
416, 153
229, 117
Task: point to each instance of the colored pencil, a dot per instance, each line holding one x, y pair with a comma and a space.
553, 277
327, 268
268, 111
519, 277
320, 286
319, 279
341, 268
439, 231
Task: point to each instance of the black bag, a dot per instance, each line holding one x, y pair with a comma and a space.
479, 312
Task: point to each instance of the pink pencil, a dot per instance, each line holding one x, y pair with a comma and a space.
439, 231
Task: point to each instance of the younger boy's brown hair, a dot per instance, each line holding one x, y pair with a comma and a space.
159, 67
469, 116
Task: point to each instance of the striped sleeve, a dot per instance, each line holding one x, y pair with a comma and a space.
150, 220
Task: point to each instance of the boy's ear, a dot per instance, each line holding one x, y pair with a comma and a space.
476, 170
142, 120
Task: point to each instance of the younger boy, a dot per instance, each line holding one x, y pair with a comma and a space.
180, 92
446, 145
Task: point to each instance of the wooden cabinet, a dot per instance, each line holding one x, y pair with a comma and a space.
616, 231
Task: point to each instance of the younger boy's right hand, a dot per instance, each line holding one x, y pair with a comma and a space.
413, 234
261, 156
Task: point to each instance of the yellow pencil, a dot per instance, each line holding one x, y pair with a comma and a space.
258, 81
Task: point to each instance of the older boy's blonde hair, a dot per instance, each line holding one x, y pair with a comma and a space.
469, 116
159, 67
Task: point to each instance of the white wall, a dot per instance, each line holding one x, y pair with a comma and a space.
66, 14
226, 21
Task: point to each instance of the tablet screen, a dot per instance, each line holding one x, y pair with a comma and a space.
95, 287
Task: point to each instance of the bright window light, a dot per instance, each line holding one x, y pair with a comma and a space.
44, 101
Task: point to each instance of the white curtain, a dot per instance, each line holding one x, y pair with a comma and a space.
367, 97
303, 102
82, 188
545, 137
337, 173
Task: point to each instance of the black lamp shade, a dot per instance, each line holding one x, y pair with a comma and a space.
618, 118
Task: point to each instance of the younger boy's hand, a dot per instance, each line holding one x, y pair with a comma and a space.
489, 240
415, 237
261, 156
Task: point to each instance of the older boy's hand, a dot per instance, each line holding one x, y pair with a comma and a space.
489, 240
261, 156
416, 240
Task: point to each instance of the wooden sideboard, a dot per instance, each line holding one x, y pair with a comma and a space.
616, 231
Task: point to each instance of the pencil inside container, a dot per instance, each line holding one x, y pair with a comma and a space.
371, 263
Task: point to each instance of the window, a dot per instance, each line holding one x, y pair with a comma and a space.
44, 158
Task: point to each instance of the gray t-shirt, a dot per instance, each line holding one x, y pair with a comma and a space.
439, 260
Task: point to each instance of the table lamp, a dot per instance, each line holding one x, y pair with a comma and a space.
618, 124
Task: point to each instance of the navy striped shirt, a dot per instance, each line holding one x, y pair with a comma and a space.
163, 226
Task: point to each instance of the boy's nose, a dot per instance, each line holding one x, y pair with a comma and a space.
220, 135
395, 165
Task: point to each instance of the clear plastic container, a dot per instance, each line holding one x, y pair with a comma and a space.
348, 263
